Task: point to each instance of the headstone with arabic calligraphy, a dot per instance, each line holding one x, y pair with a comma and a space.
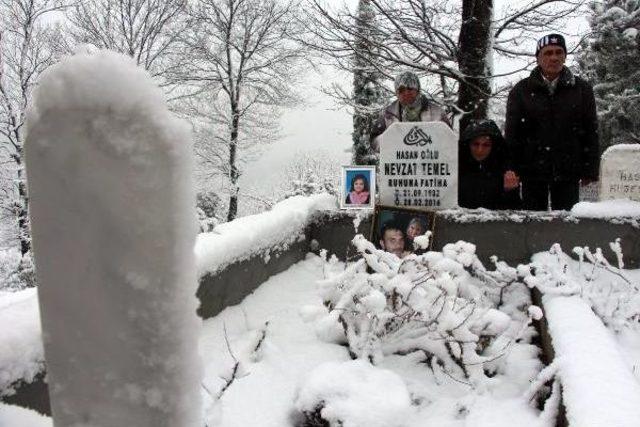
419, 166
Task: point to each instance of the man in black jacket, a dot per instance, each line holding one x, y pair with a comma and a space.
551, 130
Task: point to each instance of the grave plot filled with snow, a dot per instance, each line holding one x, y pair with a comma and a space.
281, 356
275, 357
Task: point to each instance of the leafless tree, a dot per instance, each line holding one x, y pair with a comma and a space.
146, 30
452, 42
243, 68
26, 50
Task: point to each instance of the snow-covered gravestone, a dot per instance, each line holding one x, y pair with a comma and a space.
620, 172
419, 166
114, 223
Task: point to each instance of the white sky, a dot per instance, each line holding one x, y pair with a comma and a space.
318, 126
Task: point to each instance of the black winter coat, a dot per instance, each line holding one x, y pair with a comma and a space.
481, 184
553, 137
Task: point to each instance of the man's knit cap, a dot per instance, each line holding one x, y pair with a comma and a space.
551, 40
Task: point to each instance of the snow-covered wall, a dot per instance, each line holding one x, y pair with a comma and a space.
245, 237
114, 224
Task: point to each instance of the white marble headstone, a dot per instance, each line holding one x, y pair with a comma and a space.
419, 166
620, 172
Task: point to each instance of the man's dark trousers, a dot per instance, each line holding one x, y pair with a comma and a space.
564, 194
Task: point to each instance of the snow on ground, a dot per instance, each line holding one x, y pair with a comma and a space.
629, 341
614, 210
291, 355
15, 416
22, 356
244, 237
464, 215
268, 378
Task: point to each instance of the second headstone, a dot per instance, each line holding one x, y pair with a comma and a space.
620, 172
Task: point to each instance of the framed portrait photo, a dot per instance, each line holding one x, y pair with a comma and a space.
358, 187
393, 228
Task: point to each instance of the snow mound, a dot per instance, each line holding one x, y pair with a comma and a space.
355, 394
78, 82
607, 209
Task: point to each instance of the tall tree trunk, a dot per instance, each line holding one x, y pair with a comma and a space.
367, 96
23, 217
233, 168
21, 204
474, 59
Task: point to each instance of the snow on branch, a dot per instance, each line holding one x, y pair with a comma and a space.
443, 305
611, 293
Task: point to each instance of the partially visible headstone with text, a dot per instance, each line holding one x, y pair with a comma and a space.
419, 166
620, 172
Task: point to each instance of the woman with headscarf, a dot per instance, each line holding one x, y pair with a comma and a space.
411, 105
485, 180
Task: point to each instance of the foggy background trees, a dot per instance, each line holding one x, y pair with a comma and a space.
27, 47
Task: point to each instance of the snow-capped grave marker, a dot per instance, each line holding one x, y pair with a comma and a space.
419, 166
114, 225
589, 192
620, 172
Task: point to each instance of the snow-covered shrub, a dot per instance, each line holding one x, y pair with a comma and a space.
9, 260
208, 206
16, 271
613, 296
310, 173
441, 304
441, 312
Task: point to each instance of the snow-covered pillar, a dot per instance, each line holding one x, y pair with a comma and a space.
114, 224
